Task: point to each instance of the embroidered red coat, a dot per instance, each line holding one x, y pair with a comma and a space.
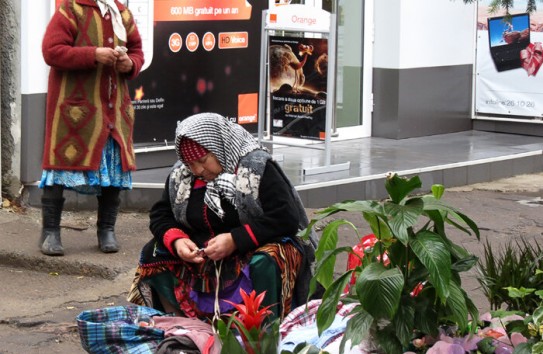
87, 101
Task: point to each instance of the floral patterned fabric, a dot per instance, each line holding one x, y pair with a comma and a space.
110, 174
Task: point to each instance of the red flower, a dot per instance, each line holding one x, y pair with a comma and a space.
418, 288
250, 316
249, 313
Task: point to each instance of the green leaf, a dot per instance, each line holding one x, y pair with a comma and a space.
538, 316
438, 190
471, 224
330, 299
456, 303
379, 290
399, 187
537, 348
328, 242
378, 227
304, 348
358, 328
404, 323
329, 238
230, 344
402, 217
324, 270
486, 345
431, 203
524, 348
518, 293
433, 253
465, 264
361, 206
473, 312
388, 342
426, 319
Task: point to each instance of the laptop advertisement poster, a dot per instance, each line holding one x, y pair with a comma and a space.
508, 36
508, 78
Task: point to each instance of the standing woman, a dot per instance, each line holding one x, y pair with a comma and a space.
93, 47
227, 221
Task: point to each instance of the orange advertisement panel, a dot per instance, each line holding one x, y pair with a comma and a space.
204, 60
248, 108
202, 10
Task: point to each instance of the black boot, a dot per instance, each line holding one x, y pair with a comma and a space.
50, 243
108, 207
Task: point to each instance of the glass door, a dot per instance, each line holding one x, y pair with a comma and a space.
353, 76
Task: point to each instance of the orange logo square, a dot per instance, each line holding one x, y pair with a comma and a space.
247, 108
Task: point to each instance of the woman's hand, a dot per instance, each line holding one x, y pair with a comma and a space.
220, 246
187, 250
106, 56
124, 63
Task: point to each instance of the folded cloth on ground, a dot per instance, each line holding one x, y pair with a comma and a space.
301, 326
119, 330
201, 333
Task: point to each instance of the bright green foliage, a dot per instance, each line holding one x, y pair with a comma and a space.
514, 265
409, 281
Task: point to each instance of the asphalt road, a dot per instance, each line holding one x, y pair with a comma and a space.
41, 296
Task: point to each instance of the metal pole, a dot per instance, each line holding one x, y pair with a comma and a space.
263, 78
330, 90
334, 14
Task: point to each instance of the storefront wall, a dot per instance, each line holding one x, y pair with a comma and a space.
404, 69
422, 71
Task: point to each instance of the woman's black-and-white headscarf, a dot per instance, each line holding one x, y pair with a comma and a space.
228, 141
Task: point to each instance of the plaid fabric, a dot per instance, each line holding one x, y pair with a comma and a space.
116, 330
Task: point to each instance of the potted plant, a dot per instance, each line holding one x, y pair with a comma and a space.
247, 332
408, 284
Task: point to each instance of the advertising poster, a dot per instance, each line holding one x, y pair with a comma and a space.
509, 56
298, 75
205, 58
200, 56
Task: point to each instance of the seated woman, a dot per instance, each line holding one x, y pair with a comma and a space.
227, 220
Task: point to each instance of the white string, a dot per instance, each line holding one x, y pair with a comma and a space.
216, 308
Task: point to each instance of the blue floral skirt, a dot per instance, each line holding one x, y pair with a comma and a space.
109, 174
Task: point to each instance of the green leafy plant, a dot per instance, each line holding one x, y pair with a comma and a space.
512, 266
514, 331
412, 252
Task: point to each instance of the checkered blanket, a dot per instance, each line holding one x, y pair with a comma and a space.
119, 330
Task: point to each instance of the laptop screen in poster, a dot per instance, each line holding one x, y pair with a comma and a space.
505, 30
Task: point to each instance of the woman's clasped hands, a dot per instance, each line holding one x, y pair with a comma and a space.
217, 248
112, 57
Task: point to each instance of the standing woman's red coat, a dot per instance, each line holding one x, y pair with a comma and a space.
87, 101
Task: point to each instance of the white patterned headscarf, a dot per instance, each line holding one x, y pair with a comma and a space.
228, 141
